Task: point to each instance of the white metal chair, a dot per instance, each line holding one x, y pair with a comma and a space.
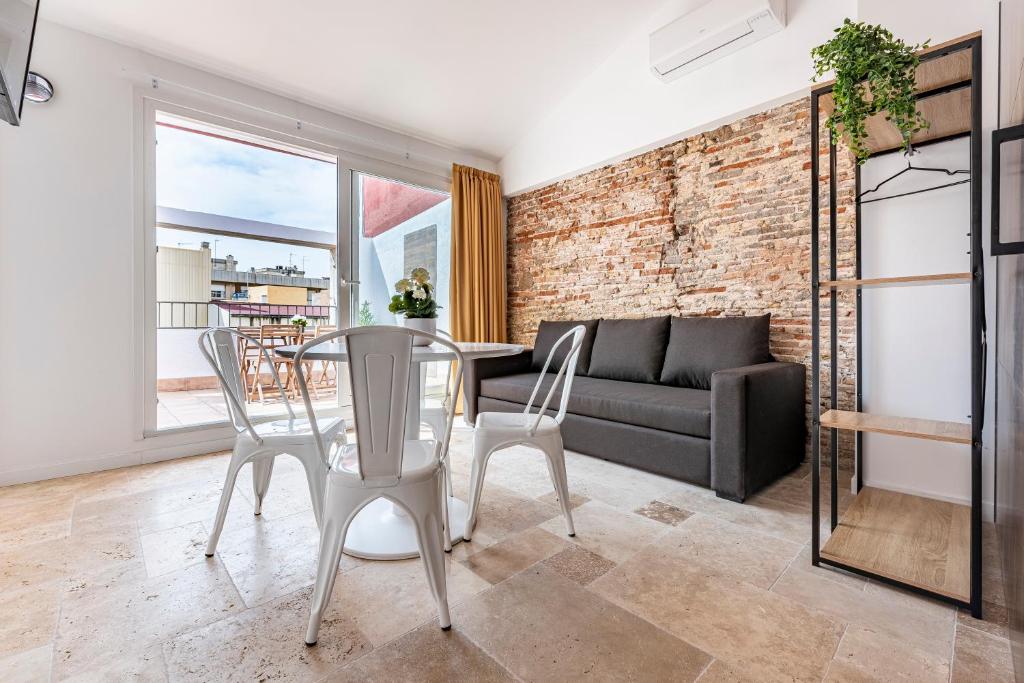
497, 431
434, 414
259, 444
384, 461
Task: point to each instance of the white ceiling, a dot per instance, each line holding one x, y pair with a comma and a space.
475, 74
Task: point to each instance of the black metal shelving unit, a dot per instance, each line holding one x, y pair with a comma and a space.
965, 51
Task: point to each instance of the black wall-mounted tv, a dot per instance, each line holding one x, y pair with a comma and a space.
17, 28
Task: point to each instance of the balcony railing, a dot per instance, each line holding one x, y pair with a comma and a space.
197, 314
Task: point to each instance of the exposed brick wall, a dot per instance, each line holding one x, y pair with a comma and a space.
716, 224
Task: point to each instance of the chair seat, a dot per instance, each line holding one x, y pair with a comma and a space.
298, 430
419, 461
515, 423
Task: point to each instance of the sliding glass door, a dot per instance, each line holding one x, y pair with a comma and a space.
396, 227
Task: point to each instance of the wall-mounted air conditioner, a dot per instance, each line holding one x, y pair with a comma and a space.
711, 32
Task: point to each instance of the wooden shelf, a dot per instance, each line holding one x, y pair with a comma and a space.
922, 542
935, 430
902, 281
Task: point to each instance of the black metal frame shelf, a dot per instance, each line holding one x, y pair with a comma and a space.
832, 285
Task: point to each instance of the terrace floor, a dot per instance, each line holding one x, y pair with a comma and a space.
103, 577
203, 406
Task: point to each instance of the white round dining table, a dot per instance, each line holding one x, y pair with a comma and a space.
382, 530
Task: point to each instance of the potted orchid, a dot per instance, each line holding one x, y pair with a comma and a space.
300, 321
415, 302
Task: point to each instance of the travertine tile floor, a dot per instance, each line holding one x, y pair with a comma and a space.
103, 578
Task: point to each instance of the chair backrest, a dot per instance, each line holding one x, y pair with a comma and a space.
219, 345
321, 330
272, 335
380, 366
564, 377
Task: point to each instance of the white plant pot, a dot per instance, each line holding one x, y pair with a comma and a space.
428, 325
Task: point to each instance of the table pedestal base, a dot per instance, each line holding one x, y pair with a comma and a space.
383, 532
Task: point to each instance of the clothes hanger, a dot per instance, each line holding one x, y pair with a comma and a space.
912, 167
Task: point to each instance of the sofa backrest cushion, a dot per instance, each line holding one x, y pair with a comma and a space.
630, 350
549, 331
697, 347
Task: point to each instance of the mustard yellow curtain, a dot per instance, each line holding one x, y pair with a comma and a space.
477, 293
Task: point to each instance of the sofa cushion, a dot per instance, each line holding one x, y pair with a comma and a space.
698, 347
548, 333
672, 409
630, 350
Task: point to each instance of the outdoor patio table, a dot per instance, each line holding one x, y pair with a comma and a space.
381, 530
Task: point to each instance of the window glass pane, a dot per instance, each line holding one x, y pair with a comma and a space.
256, 247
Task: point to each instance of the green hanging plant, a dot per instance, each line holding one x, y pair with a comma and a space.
874, 72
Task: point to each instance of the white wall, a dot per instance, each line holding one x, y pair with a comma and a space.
71, 400
916, 340
621, 108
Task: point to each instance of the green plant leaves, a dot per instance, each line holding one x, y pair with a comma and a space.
874, 73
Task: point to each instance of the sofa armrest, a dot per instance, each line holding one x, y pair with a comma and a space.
479, 369
757, 426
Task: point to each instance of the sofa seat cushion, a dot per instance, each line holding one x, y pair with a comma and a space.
672, 409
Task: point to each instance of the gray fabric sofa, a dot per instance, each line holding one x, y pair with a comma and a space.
697, 399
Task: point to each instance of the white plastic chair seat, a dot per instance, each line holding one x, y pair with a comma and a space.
515, 423
419, 462
298, 430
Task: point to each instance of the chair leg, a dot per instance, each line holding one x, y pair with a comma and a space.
481, 454
237, 460
555, 454
316, 478
444, 495
261, 471
337, 510
428, 531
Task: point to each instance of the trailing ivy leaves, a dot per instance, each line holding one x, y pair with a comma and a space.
875, 72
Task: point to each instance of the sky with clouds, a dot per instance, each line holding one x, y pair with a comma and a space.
201, 173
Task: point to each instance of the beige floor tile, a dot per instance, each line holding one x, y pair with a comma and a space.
663, 512
613, 484
31, 666
176, 548
994, 621
387, 599
519, 470
980, 657
871, 654
613, 534
116, 510
31, 521
541, 626
42, 493
579, 564
266, 643
274, 558
503, 513
575, 499
240, 516
144, 665
730, 549
28, 617
768, 516
100, 623
732, 620
720, 672
922, 624
425, 655
514, 554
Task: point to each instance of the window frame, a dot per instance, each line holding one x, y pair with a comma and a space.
252, 121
